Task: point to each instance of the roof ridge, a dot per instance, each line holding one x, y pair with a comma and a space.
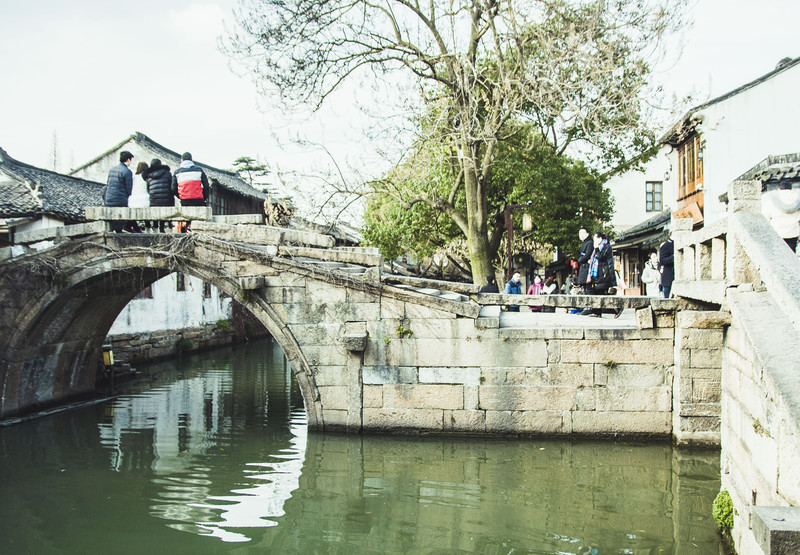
5, 158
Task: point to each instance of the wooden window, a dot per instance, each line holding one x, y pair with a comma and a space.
690, 166
206, 289
180, 281
653, 196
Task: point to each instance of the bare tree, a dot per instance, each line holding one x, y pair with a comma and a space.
574, 68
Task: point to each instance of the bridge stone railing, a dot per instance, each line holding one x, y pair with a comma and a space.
741, 265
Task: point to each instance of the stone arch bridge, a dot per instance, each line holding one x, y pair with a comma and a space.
375, 352
370, 351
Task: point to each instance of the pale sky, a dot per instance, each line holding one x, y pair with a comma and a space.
94, 72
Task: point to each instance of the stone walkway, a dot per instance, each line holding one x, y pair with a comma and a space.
559, 319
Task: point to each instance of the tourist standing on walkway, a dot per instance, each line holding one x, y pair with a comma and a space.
667, 266
536, 289
602, 275
159, 187
491, 286
549, 287
514, 287
190, 183
587, 247
651, 277
119, 187
139, 197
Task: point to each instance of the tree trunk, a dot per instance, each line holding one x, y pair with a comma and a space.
477, 235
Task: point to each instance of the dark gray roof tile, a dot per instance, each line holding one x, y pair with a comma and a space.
26, 190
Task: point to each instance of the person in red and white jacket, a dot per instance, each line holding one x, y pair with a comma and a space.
189, 183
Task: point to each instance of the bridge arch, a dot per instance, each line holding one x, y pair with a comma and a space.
64, 304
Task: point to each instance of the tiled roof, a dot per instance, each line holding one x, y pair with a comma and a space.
649, 231
226, 179
26, 190
774, 169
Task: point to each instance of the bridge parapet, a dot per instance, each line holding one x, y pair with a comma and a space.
742, 266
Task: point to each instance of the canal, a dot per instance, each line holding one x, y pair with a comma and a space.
210, 454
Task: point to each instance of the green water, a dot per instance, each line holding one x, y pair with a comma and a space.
211, 455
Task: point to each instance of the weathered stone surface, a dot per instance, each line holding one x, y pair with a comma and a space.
432, 352
634, 399
645, 318
609, 423
528, 422
174, 213
465, 421
373, 396
704, 390
389, 374
330, 375
637, 375
706, 358
355, 342
703, 320
333, 397
328, 254
704, 338
49, 233
542, 333
233, 219
653, 351
403, 419
423, 396
444, 375
526, 398
777, 529
560, 375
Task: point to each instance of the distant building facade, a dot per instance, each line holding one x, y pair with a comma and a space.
712, 145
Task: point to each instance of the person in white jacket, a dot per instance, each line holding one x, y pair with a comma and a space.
651, 277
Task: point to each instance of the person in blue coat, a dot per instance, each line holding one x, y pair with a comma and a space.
514, 287
119, 187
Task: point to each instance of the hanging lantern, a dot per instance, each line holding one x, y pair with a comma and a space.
527, 222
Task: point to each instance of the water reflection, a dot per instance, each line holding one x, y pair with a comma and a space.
211, 455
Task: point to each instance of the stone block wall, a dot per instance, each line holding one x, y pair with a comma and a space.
451, 376
760, 453
698, 376
139, 347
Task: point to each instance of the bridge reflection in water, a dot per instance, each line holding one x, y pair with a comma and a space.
213, 452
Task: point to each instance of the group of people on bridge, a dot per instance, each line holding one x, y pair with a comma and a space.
154, 185
596, 274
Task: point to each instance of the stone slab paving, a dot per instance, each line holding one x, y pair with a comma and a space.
560, 319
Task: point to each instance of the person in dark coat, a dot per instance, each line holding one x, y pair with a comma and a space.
666, 264
514, 287
159, 186
587, 247
119, 187
602, 274
491, 286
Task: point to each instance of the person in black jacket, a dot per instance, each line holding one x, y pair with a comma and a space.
602, 274
666, 263
491, 286
159, 186
587, 247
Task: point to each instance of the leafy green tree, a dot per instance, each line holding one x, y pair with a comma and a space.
249, 169
575, 69
561, 195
